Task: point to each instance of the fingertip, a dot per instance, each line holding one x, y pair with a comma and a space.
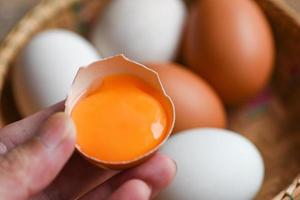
167, 170
142, 189
131, 190
71, 126
68, 133
59, 127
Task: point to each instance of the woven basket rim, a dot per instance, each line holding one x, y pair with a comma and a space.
21, 33
288, 9
36, 17
18, 35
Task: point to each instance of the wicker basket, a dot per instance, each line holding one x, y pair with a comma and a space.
270, 121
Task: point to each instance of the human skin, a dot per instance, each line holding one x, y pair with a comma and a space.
37, 161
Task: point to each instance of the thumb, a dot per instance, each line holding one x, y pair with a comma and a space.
29, 168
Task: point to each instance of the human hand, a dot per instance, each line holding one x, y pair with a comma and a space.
35, 164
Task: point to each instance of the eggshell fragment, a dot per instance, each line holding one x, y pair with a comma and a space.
91, 76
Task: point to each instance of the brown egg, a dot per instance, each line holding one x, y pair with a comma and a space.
230, 44
196, 103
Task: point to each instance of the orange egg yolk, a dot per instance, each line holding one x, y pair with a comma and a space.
120, 120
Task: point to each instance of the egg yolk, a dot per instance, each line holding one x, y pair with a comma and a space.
120, 120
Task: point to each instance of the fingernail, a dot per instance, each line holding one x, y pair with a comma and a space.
56, 129
175, 163
3, 148
149, 187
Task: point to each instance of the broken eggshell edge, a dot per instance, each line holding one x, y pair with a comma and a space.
86, 78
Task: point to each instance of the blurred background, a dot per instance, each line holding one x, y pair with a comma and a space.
284, 162
12, 10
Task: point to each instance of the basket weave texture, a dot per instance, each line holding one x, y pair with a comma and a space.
270, 121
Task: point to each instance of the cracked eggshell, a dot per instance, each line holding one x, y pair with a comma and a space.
92, 75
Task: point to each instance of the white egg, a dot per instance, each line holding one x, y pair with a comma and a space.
144, 30
47, 66
213, 164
